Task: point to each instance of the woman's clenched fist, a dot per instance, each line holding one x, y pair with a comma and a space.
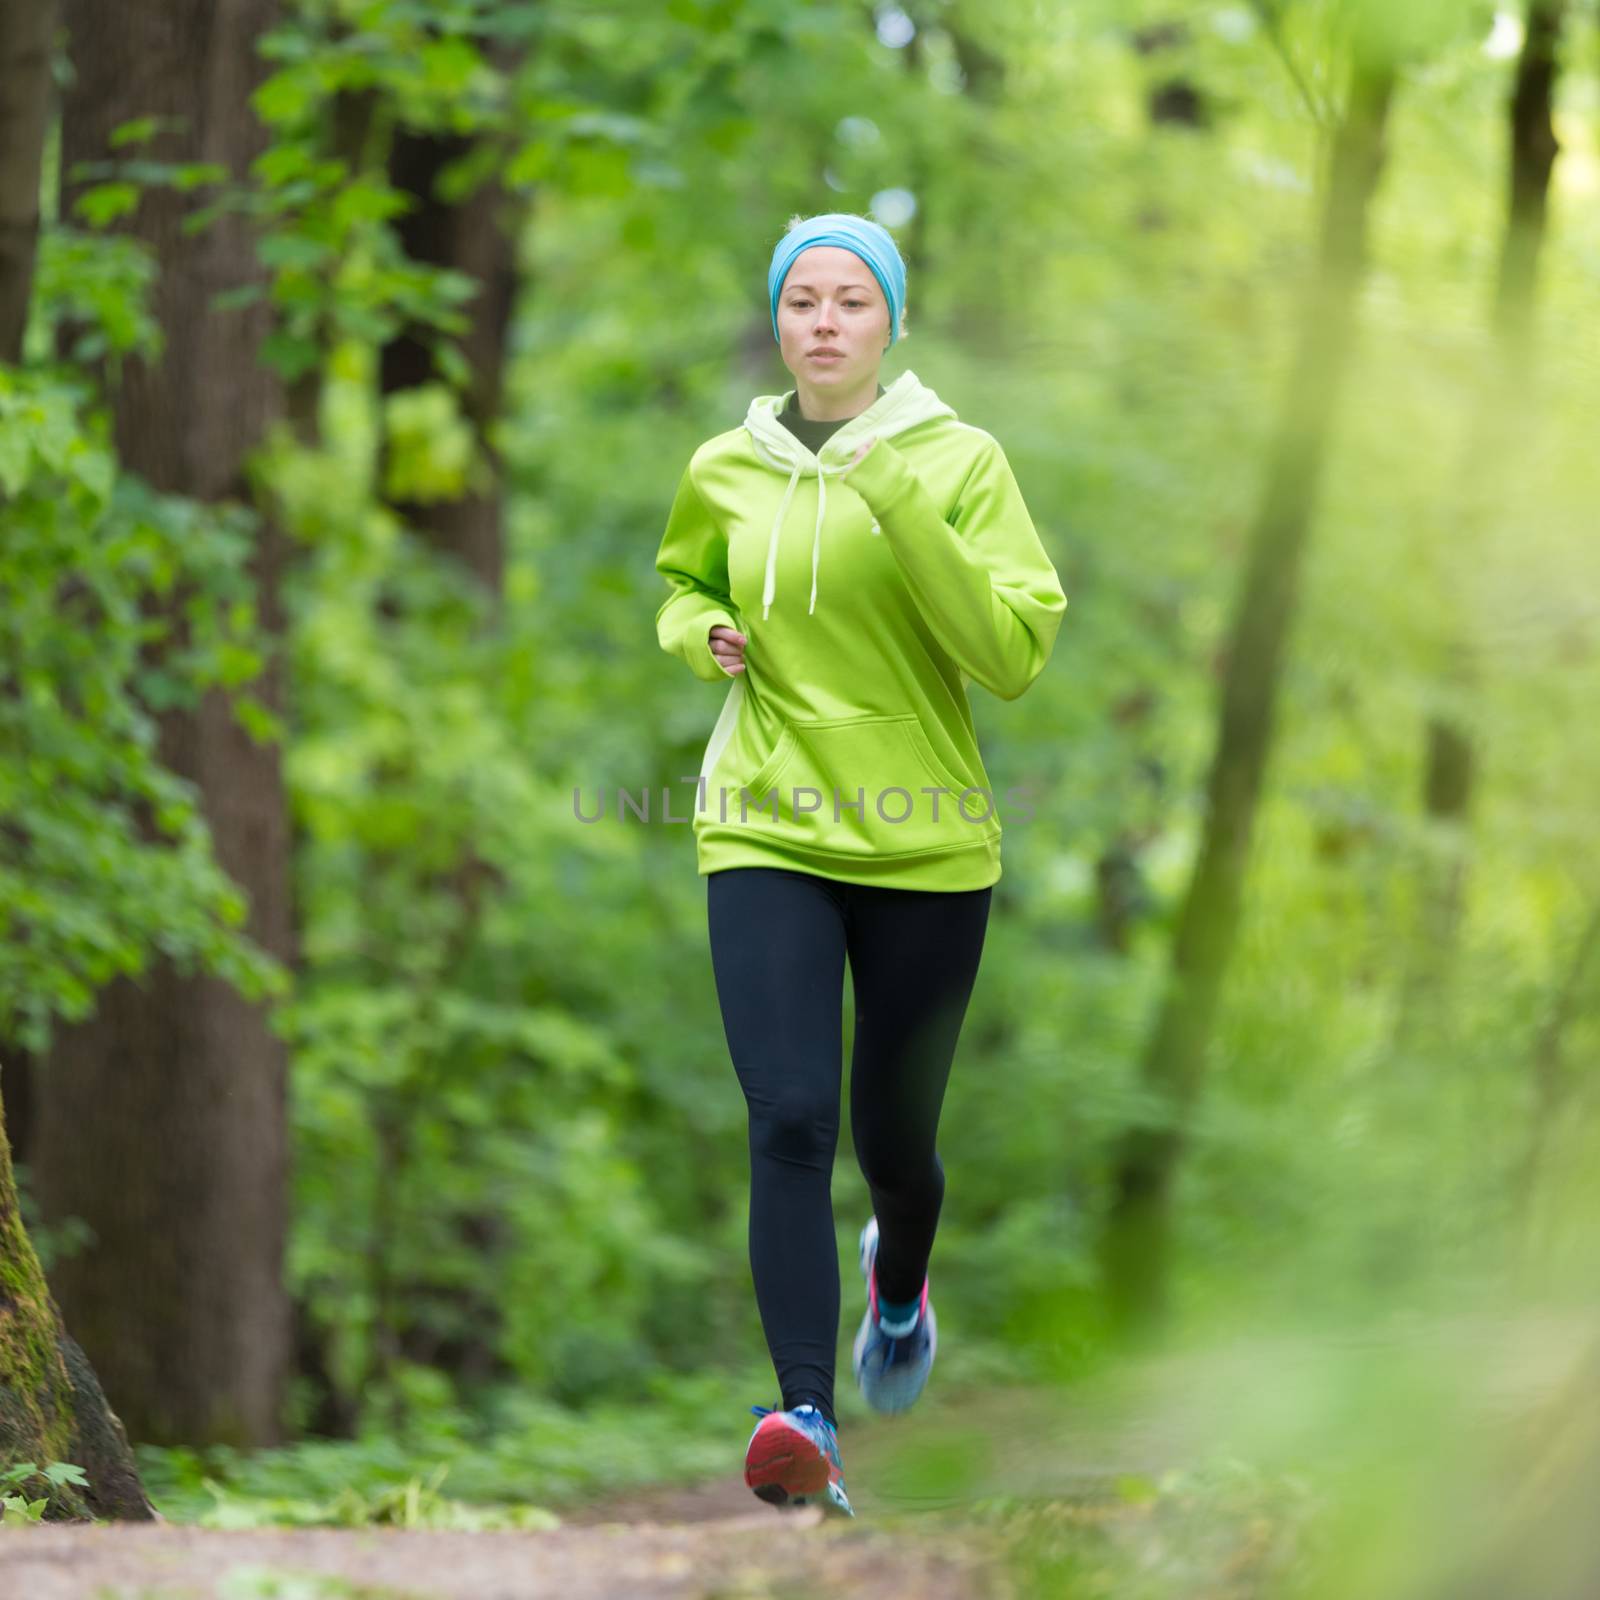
727, 645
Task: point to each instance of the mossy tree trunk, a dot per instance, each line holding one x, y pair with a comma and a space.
51, 1404
162, 1118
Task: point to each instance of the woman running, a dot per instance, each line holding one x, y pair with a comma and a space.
843, 811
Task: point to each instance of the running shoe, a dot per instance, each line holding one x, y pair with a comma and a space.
891, 1367
793, 1459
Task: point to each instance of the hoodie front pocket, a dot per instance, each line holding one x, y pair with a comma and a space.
769, 769
858, 786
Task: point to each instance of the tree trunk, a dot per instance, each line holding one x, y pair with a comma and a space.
26, 30
1119, 892
478, 237
51, 1405
1502, 409
1135, 1241
161, 1120
1553, 1080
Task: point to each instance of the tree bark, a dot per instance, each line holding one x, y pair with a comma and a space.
1501, 411
27, 28
161, 1120
1135, 1242
51, 1404
476, 236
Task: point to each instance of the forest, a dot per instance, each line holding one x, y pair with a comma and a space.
370, 1156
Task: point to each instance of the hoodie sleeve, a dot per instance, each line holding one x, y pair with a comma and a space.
693, 558
982, 580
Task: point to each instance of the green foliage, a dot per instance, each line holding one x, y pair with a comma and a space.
524, 1112
346, 84
116, 604
16, 1507
518, 1231
92, 293
509, 1463
432, 452
1222, 1528
436, 1047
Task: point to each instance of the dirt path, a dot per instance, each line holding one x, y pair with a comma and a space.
709, 1541
750, 1556
914, 1481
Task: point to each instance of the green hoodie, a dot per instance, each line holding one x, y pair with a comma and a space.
846, 745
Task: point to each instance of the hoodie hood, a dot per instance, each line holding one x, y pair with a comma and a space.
905, 404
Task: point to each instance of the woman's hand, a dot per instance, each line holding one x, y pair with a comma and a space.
728, 647
862, 448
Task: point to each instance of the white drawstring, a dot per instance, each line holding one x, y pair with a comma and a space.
772, 543
770, 586
904, 402
816, 537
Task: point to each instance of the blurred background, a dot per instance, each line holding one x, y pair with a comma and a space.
370, 1113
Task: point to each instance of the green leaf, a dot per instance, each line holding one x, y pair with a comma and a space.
134, 132
235, 299
191, 175
288, 356
262, 724
292, 250
106, 202
16, 456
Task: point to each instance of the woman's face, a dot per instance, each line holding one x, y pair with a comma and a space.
831, 301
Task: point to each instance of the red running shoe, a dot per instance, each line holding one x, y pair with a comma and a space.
793, 1459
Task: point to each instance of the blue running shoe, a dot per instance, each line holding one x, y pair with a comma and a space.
891, 1368
793, 1459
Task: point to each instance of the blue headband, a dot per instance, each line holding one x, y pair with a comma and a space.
869, 240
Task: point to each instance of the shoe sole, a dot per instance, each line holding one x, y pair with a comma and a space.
782, 1464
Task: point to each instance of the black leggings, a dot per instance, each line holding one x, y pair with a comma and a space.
779, 939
